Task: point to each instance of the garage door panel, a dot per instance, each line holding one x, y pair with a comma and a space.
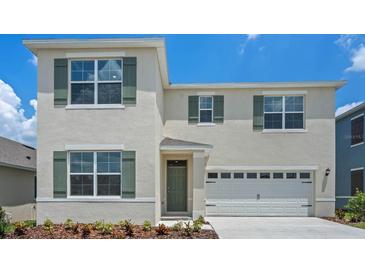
259, 197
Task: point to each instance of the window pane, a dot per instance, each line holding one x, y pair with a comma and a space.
238, 175
264, 175
82, 71
205, 116
294, 120
205, 102
273, 121
110, 70
82, 93
273, 104
357, 130
304, 175
82, 185
278, 175
212, 175
110, 93
81, 162
251, 175
225, 175
294, 103
356, 181
291, 175
108, 162
109, 185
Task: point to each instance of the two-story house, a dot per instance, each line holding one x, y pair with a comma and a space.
116, 140
350, 152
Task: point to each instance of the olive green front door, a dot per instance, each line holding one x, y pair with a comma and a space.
176, 185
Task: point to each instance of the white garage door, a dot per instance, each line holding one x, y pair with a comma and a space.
278, 193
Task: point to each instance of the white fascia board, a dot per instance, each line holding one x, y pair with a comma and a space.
94, 54
268, 168
94, 147
285, 92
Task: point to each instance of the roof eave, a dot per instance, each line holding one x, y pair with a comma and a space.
350, 111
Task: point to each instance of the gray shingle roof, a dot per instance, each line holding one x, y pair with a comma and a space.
15, 154
175, 142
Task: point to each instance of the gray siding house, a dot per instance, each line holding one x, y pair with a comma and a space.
117, 140
17, 179
350, 154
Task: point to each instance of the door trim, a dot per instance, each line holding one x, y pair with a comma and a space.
177, 213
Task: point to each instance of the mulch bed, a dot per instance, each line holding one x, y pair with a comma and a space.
337, 220
60, 232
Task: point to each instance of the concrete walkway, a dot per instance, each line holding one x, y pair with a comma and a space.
282, 228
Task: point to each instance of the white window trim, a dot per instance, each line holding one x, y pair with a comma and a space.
283, 112
357, 116
212, 109
95, 82
356, 169
95, 173
358, 144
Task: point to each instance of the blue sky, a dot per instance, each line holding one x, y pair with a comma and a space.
216, 58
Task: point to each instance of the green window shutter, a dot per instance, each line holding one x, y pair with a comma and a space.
128, 174
193, 109
218, 104
60, 81
129, 80
258, 112
59, 174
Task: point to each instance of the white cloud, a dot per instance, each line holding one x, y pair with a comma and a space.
346, 41
358, 60
249, 37
33, 60
347, 107
252, 36
13, 123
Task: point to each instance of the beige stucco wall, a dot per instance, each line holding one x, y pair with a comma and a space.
17, 193
236, 144
136, 127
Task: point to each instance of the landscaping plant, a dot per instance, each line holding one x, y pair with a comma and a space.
188, 230
48, 225
356, 208
4, 223
201, 220
197, 225
68, 224
178, 226
20, 228
128, 227
147, 226
162, 230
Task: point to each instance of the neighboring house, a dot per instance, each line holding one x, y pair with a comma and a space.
17, 179
350, 154
116, 140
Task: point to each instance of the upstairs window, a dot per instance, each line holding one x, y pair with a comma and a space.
96, 81
357, 130
205, 109
283, 112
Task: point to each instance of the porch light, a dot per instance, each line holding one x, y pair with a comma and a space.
327, 172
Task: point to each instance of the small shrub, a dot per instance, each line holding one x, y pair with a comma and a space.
188, 229
75, 228
162, 229
4, 223
128, 227
30, 223
340, 213
99, 225
107, 229
201, 219
197, 226
48, 225
178, 226
356, 208
147, 226
86, 230
68, 224
20, 228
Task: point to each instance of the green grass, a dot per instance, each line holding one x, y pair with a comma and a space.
359, 225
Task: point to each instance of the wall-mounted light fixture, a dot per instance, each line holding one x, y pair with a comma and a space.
327, 172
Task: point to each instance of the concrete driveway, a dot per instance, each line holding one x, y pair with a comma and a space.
282, 228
